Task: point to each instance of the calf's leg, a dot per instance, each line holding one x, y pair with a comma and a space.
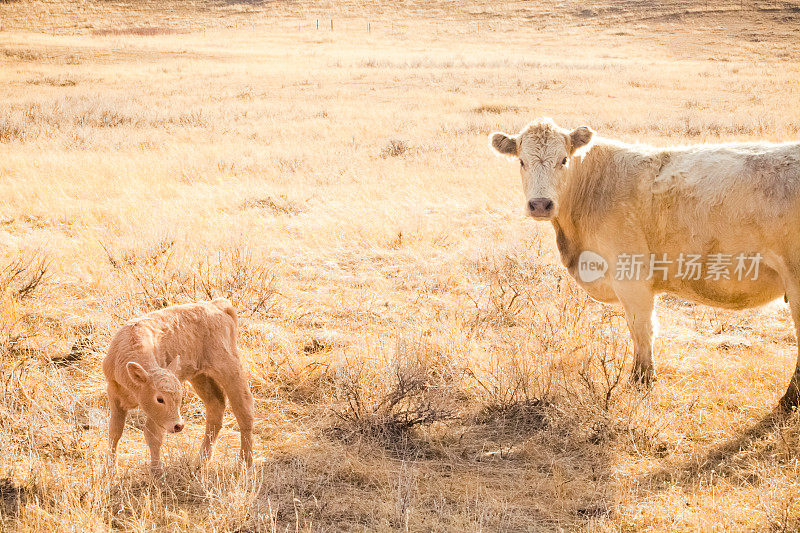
116, 424
214, 400
637, 299
154, 436
234, 384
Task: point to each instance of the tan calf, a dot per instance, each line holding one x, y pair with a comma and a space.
151, 355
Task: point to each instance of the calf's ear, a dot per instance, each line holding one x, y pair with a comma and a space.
580, 137
137, 373
503, 144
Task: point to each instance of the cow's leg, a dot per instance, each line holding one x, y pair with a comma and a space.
116, 424
792, 281
637, 299
234, 383
214, 400
154, 436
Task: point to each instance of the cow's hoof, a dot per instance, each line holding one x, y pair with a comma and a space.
789, 402
643, 378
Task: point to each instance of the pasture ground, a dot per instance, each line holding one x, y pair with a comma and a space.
420, 359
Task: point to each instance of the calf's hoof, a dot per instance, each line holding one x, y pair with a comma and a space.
205, 455
157, 471
246, 462
110, 466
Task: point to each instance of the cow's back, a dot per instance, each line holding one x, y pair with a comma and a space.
740, 181
737, 200
730, 199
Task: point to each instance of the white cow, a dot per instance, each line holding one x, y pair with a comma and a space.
718, 224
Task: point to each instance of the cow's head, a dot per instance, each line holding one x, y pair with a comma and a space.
159, 393
544, 151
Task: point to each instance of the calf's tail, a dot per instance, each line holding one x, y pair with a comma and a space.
226, 306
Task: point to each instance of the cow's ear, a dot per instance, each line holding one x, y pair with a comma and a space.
137, 373
175, 365
580, 137
504, 144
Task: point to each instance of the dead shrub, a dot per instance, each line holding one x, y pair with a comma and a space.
80, 349
413, 398
24, 274
515, 389
20, 278
157, 276
21, 54
142, 31
605, 358
12, 498
394, 148
280, 205
528, 414
54, 81
236, 276
497, 108
512, 279
11, 128
300, 382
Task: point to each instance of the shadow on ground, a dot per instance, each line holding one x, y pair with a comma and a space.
521, 473
732, 459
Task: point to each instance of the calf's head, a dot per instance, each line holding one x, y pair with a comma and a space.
544, 151
159, 393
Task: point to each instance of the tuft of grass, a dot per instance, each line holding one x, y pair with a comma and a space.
394, 148
143, 31
54, 81
497, 108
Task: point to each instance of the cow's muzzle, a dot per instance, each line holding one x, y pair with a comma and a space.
541, 208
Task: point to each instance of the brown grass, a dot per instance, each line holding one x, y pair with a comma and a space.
420, 359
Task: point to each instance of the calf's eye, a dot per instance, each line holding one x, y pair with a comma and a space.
522, 163
160, 399
563, 161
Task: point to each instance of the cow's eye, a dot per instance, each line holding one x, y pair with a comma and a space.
564, 162
160, 399
522, 163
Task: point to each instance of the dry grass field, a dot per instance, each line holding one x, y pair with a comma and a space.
420, 359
